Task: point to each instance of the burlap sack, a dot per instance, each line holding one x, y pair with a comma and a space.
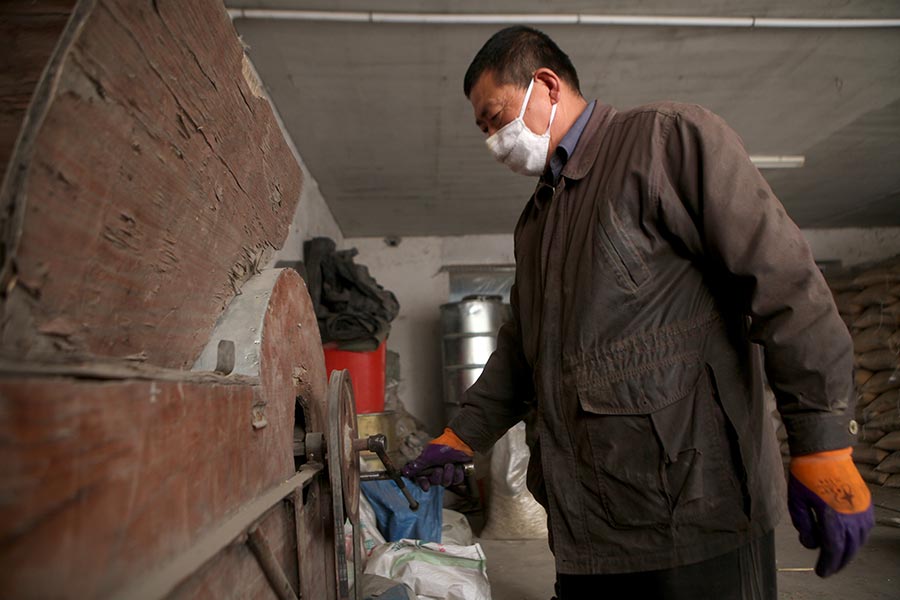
876, 316
889, 400
871, 436
881, 382
861, 376
871, 475
889, 441
886, 274
878, 360
864, 399
874, 295
893, 310
867, 454
872, 338
894, 341
888, 421
846, 305
891, 464
843, 282
892, 482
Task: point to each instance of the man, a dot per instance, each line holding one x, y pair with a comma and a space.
652, 261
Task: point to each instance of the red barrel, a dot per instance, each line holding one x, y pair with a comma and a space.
366, 373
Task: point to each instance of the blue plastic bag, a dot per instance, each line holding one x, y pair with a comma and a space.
394, 518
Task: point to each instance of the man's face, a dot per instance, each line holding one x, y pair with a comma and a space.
495, 105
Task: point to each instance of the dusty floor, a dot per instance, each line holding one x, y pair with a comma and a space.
523, 570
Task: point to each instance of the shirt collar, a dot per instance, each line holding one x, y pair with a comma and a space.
567, 144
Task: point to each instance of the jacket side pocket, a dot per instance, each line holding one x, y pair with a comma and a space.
629, 459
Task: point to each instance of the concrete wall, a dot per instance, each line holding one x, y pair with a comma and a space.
313, 218
854, 246
412, 271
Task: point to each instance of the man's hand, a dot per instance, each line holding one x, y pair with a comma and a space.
441, 462
830, 506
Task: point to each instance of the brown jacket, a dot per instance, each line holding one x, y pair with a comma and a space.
642, 280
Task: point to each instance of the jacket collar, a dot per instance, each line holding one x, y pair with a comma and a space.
582, 159
585, 153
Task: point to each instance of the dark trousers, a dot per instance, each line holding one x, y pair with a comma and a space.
747, 573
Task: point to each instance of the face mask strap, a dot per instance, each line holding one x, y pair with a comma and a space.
552, 115
525, 105
527, 97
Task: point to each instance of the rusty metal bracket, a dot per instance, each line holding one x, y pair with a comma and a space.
314, 447
225, 357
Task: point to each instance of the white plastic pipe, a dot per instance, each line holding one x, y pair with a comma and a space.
551, 19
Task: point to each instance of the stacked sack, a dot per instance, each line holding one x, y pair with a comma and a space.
869, 303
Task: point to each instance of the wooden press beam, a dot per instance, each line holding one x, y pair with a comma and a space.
150, 180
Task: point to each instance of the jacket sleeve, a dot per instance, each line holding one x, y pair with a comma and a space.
503, 394
721, 211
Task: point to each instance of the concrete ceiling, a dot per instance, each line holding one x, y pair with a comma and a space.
378, 114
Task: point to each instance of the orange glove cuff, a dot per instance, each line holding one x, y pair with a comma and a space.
448, 438
832, 476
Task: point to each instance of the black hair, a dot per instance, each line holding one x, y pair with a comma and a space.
513, 54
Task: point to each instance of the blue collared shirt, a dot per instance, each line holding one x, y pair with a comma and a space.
567, 145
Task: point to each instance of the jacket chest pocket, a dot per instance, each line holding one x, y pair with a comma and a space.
617, 249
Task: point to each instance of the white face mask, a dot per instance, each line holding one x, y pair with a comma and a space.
519, 148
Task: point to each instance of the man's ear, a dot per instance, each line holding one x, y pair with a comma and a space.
551, 80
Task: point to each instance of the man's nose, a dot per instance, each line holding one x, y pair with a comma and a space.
492, 129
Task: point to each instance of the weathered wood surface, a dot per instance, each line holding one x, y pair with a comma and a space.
316, 551
103, 480
235, 574
110, 471
292, 363
282, 373
153, 184
298, 335
29, 30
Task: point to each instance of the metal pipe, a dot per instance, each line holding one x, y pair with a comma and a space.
409, 18
664, 21
764, 161
770, 23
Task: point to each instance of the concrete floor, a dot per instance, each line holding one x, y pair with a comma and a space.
523, 570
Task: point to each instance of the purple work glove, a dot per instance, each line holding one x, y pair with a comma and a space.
830, 506
441, 462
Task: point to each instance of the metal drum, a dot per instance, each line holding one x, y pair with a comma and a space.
469, 330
